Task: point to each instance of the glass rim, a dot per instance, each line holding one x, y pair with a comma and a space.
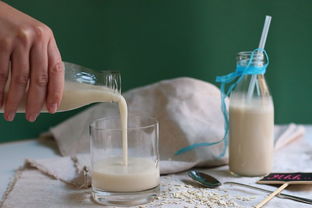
154, 122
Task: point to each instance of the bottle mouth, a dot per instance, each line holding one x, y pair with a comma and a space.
247, 54
243, 58
113, 80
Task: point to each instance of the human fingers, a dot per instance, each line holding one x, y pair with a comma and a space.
37, 90
19, 80
5, 52
56, 77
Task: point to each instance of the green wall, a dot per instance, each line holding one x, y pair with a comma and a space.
151, 40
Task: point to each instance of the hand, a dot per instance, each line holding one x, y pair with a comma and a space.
28, 52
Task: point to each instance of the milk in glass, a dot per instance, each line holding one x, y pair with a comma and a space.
111, 175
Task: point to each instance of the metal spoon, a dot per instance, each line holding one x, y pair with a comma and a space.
211, 182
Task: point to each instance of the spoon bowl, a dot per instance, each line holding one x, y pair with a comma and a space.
204, 179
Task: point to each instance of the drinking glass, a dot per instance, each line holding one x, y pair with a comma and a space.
124, 170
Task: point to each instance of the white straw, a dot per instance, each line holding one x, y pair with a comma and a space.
265, 31
263, 38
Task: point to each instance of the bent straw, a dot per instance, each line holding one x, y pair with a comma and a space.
263, 38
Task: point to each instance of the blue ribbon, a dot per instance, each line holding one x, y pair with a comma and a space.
239, 73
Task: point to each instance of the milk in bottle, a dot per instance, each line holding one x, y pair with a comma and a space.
251, 123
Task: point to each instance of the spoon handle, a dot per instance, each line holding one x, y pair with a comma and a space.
280, 195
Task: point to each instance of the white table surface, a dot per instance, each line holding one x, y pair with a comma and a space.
13, 154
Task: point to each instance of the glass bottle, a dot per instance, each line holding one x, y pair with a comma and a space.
251, 114
84, 86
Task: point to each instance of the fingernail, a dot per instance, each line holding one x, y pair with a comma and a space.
53, 108
10, 116
32, 118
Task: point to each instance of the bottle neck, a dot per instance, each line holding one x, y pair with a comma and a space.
80, 74
251, 82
